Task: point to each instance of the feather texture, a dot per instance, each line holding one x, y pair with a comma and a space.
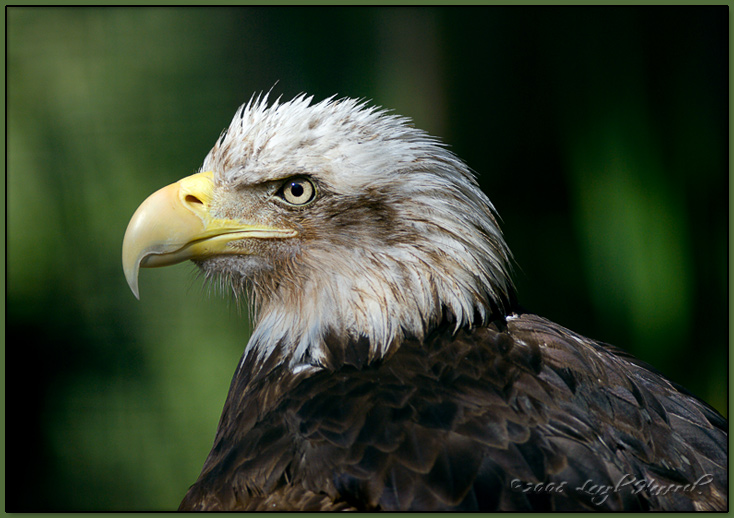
468, 421
389, 367
399, 233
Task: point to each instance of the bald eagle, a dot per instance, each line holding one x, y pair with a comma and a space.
389, 367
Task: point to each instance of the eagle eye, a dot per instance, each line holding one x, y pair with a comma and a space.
297, 191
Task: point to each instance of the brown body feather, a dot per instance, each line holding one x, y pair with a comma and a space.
384, 370
467, 421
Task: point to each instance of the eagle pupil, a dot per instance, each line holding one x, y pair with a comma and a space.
297, 189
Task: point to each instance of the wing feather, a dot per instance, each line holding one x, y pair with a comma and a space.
470, 420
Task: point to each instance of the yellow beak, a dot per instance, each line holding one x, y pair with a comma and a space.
174, 224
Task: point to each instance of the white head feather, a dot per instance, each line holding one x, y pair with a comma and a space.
400, 236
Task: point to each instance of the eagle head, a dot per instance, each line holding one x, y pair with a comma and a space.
336, 219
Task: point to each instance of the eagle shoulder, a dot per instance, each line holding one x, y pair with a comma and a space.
484, 418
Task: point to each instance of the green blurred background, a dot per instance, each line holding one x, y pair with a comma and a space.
600, 134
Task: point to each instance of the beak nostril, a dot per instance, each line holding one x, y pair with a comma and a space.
190, 198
